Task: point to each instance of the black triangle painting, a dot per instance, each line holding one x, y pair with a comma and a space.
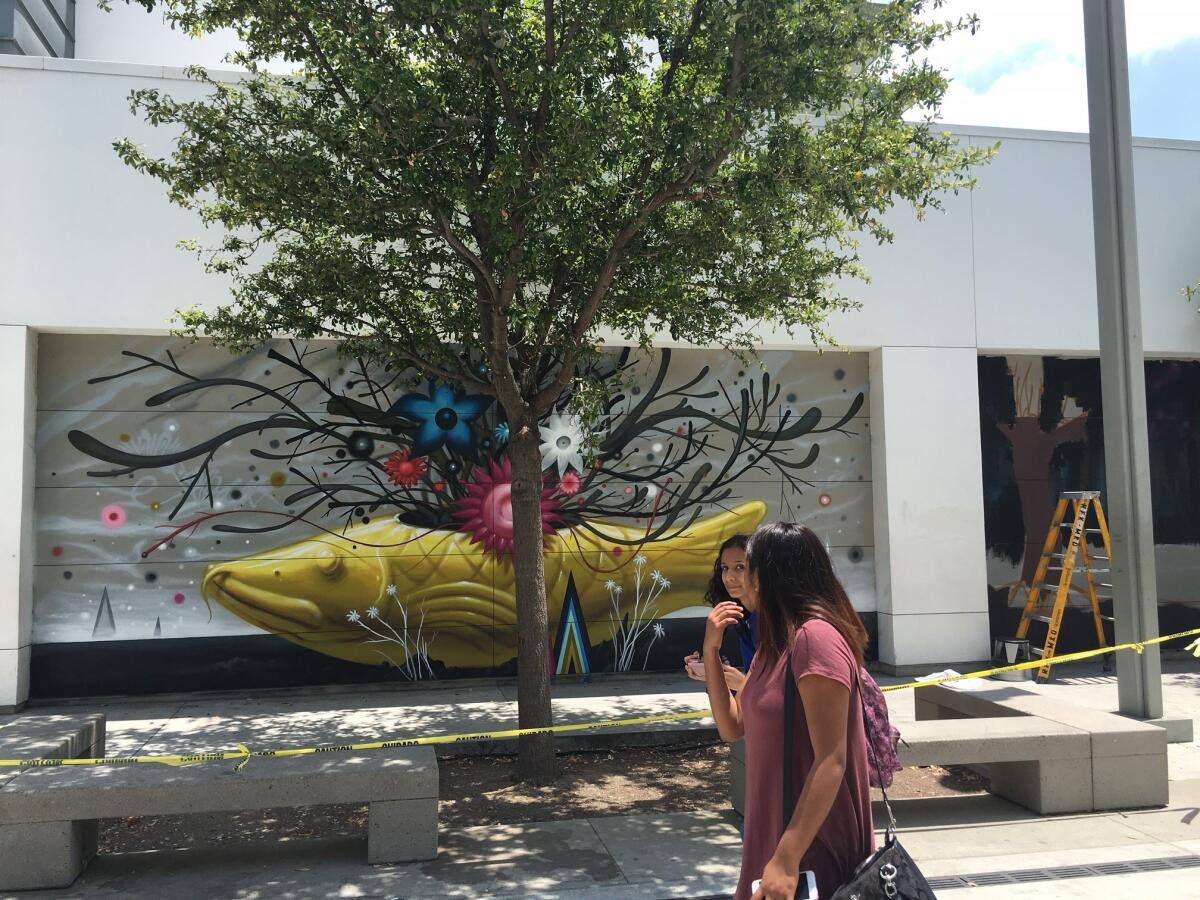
105, 624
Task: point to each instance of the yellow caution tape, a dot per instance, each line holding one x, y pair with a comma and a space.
244, 754
1135, 646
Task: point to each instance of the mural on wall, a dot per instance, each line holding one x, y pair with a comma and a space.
1041, 421
366, 516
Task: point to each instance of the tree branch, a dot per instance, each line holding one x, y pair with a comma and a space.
680, 47
507, 98
548, 15
412, 356
573, 32
671, 192
534, 359
678, 53
340, 86
464, 252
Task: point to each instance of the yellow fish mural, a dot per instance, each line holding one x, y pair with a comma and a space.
393, 577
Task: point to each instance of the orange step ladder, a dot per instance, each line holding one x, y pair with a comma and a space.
1065, 555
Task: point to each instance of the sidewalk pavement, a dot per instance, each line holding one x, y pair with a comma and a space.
303, 718
684, 855
647, 857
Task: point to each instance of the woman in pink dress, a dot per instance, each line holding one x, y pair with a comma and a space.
804, 615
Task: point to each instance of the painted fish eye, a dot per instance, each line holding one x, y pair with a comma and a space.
329, 562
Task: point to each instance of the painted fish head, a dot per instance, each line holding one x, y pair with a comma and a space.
304, 591
374, 594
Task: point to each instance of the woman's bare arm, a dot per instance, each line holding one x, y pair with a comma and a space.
724, 705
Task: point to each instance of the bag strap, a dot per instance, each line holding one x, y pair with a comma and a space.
789, 718
789, 721
887, 804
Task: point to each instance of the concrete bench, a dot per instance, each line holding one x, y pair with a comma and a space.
1127, 759
50, 737
1041, 765
53, 737
1048, 756
47, 816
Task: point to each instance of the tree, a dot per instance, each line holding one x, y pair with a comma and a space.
1041, 423
481, 189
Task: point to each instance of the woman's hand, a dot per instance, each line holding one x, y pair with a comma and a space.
735, 678
722, 616
778, 882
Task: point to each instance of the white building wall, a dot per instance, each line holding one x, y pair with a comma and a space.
1005, 268
18, 402
127, 33
1034, 255
930, 569
86, 244
1034, 259
97, 240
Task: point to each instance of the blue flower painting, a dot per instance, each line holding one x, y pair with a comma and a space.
443, 418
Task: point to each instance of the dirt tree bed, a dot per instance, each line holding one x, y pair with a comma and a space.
482, 790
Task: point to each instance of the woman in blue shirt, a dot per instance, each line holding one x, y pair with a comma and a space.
729, 583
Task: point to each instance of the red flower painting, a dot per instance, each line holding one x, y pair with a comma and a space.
404, 469
486, 512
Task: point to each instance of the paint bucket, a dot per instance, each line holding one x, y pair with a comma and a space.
1009, 652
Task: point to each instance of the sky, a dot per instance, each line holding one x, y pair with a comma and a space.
1023, 68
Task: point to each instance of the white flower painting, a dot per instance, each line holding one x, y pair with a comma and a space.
562, 443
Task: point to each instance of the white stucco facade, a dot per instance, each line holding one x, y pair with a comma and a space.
88, 245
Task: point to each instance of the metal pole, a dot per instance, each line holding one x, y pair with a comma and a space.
1122, 363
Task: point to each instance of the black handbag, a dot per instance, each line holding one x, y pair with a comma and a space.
887, 874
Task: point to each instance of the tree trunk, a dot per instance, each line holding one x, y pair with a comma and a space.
1033, 449
536, 762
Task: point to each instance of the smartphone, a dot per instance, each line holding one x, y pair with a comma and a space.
805, 890
697, 667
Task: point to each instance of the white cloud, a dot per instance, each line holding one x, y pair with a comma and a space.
1153, 25
1024, 68
1007, 26
1049, 96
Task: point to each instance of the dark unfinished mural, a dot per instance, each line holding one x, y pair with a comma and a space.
1041, 421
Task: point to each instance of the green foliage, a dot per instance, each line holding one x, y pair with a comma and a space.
450, 180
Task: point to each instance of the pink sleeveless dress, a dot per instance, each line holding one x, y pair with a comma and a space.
847, 835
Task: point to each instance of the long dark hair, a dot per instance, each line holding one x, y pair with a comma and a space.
716, 592
795, 583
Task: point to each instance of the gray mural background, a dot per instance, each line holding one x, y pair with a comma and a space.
93, 582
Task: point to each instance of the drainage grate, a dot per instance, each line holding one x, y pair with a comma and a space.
1060, 873
1114, 868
